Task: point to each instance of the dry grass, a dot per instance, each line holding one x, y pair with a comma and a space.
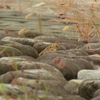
85, 20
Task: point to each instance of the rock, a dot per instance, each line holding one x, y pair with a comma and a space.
91, 48
88, 87
6, 32
89, 74
34, 66
11, 89
11, 63
92, 45
92, 59
77, 52
14, 92
61, 53
72, 86
53, 86
8, 66
73, 97
58, 38
92, 40
93, 51
17, 58
24, 41
29, 98
44, 95
4, 98
25, 49
40, 79
69, 45
2, 35
9, 51
96, 93
95, 59
4, 42
41, 46
31, 34
62, 61
96, 98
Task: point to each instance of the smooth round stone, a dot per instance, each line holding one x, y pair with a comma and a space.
72, 86
88, 74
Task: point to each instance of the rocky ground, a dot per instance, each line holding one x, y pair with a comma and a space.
66, 70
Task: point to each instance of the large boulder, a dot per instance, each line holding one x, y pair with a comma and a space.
36, 67
53, 86
62, 60
19, 92
40, 79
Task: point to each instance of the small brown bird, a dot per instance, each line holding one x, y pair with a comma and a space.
52, 47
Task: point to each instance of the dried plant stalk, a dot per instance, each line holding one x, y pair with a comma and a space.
29, 15
21, 31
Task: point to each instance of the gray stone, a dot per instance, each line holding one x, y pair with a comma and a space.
91, 48
24, 41
17, 58
40, 79
58, 38
62, 60
89, 74
73, 97
88, 87
96, 93
25, 49
10, 89
53, 86
36, 67
95, 59
72, 87
9, 51
96, 98
31, 34
92, 45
